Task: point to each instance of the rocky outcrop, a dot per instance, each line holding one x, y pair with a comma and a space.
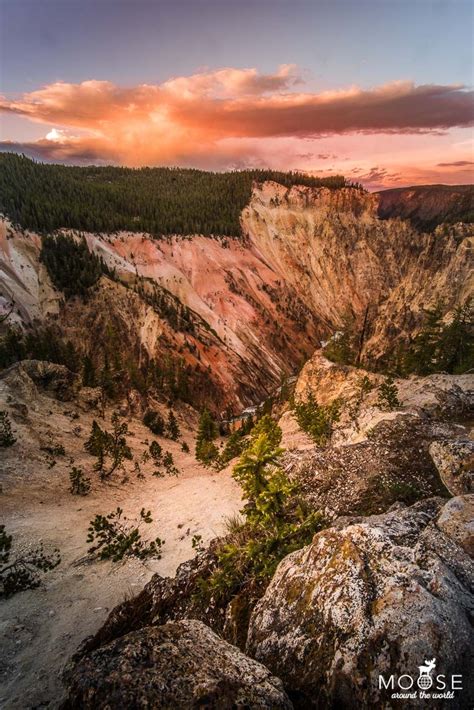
457, 521
455, 463
180, 665
392, 464
28, 375
369, 596
427, 206
341, 259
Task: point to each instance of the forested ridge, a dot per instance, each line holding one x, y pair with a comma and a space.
159, 201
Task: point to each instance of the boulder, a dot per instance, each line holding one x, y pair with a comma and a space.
457, 520
54, 379
179, 665
89, 398
376, 596
455, 463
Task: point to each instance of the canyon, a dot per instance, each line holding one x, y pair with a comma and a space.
385, 580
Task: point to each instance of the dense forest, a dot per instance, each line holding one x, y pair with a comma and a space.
159, 201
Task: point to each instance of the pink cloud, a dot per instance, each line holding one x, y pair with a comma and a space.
231, 117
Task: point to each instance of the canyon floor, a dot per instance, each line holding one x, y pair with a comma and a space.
42, 627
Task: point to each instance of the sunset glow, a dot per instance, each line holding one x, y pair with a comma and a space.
397, 132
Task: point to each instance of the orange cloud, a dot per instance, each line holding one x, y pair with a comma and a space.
223, 117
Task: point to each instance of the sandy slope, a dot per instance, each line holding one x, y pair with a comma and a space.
41, 628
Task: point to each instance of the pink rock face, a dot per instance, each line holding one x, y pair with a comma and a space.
307, 258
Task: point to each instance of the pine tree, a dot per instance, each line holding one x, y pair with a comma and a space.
456, 346
388, 395
423, 355
88, 372
206, 451
6, 435
172, 428
97, 445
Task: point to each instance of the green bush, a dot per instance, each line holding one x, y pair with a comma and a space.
115, 537
154, 422
110, 448
80, 484
388, 395
317, 420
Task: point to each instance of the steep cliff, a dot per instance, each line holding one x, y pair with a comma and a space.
426, 206
309, 257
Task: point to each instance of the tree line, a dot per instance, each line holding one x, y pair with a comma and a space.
159, 201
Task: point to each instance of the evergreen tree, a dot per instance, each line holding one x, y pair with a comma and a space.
172, 428
88, 372
423, 354
97, 445
6, 435
80, 484
154, 422
159, 201
266, 425
456, 346
206, 451
388, 395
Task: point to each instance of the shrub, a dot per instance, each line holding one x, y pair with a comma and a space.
115, 537
154, 422
156, 452
317, 420
168, 463
6, 434
80, 485
207, 452
196, 543
109, 445
24, 571
388, 395
185, 448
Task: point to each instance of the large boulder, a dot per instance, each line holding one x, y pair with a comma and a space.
181, 665
455, 463
457, 520
376, 595
28, 376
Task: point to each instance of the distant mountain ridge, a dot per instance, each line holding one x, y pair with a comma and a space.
427, 206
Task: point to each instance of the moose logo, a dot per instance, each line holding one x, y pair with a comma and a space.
427, 686
425, 681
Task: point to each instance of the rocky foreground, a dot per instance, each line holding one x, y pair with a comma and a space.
369, 596
376, 593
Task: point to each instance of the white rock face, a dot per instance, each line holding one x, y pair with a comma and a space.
379, 595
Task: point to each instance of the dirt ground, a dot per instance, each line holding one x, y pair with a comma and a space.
41, 628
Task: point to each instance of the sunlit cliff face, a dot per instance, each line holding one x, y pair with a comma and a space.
397, 133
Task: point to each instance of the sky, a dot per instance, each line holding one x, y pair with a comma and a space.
377, 90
